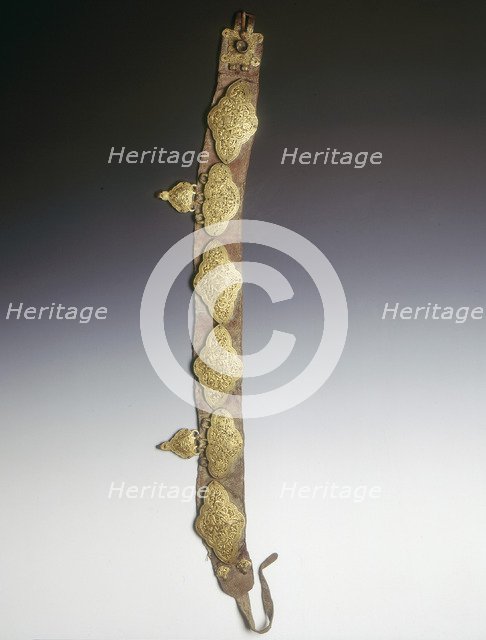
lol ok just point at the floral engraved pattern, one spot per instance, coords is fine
(221, 199)
(220, 523)
(233, 121)
(218, 367)
(218, 282)
(224, 443)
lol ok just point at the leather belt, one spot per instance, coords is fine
(216, 200)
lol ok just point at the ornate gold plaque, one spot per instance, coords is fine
(181, 196)
(218, 367)
(233, 120)
(224, 443)
(240, 48)
(221, 199)
(218, 282)
(220, 524)
(183, 443)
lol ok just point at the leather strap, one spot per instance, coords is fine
(216, 199)
(244, 604)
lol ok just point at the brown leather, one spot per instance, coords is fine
(244, 605)
(236, 584)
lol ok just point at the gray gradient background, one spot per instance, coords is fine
(81, 406)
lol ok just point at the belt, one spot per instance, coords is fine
(216, 200)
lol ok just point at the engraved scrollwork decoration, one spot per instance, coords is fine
(224, 443)
(221, 444)
(218, 282)
(220, 523)
(239, 48)
(184, 443)
(233, 120)
(221, 199)
(216, 199)
(218, 366)
(181, 196)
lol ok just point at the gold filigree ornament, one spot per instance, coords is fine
(223, 572)
(218, 282)
(224, 443)
(183, 443)
(233, 120)
(181, 196)
(218, 366)
(220, 523)
(221, 200)
(216, 199)
(244, 565)
(239, 48)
